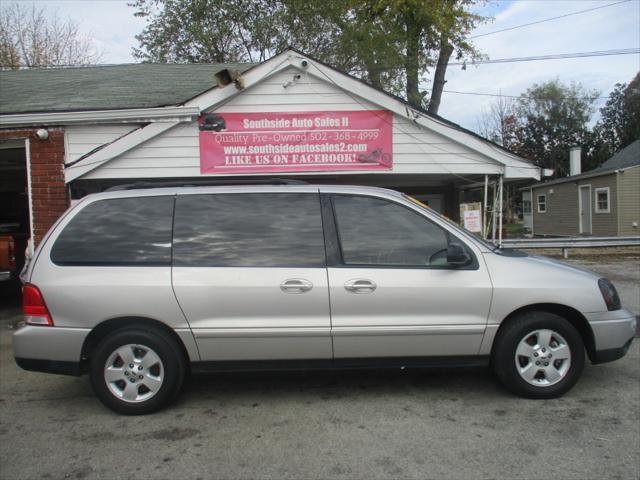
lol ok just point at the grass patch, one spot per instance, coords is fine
(514, 230)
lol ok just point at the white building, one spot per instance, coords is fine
(121, 124)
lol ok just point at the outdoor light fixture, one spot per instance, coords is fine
(42, 134)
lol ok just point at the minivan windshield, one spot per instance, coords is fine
(469, 235)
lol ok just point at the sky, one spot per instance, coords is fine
(112, 26)
(614, 27)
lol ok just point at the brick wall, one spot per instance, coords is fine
(48, 191)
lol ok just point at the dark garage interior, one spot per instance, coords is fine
(14, 218)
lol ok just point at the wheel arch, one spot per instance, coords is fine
(573, 316)
(103, 329)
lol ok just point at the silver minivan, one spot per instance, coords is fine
(137, 287)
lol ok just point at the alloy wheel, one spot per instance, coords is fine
(543, 358)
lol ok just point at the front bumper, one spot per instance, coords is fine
(49, 349)
(611, 354)
(613, 333)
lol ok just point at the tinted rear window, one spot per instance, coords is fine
(123, 231)
(248, 230)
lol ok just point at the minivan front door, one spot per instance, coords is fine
(249, 274)
(393, 294)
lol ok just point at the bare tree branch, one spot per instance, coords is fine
(32, 37)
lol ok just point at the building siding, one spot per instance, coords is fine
(81, 139)
(629, 201)
(604, 224)
(562, 217)
(176, 153)
(562, 210)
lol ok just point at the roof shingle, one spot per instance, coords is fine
(141, 85)
(629, 156)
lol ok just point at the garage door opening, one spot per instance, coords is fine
(14, 216)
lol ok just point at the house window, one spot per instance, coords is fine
(526, 207)
(542, 204)
(602, 200)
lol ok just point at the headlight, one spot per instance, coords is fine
(609, 294)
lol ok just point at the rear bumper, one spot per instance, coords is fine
(49, 349)
(49, 366)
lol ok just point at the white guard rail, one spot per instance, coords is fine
(571, 242)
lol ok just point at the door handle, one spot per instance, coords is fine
(360, 285)
(296, 285)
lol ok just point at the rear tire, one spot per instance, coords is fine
(538, 355)
(135, 371)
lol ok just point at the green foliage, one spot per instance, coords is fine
(209, 31)
(551, 118)
(391, 44)
(619, 123)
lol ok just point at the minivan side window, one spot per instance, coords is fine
(374, 231)
(248, 230)
(118, 232)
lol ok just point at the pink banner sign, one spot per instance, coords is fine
(295, 142)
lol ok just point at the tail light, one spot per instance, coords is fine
(33, 307)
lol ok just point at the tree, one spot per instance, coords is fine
(551, 118)
(391, 44)
(209, 31)
(619, 123)
(33, 37)
(500, 122)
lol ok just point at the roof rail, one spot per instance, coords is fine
(206, 183)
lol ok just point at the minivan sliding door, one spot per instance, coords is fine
(249, 272)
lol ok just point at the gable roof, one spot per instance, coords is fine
(113, 87)
(106, 91)
(628, 157)
(132, 86)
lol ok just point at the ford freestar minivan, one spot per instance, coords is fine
(136, 286)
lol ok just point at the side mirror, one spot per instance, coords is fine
(457, 255)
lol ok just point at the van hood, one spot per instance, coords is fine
(563, 266)
(542, 262)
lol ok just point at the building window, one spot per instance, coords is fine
(526, 207)
(602, 200)
(542, 204)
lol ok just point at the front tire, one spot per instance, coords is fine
(135, 371)
(538, 355)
